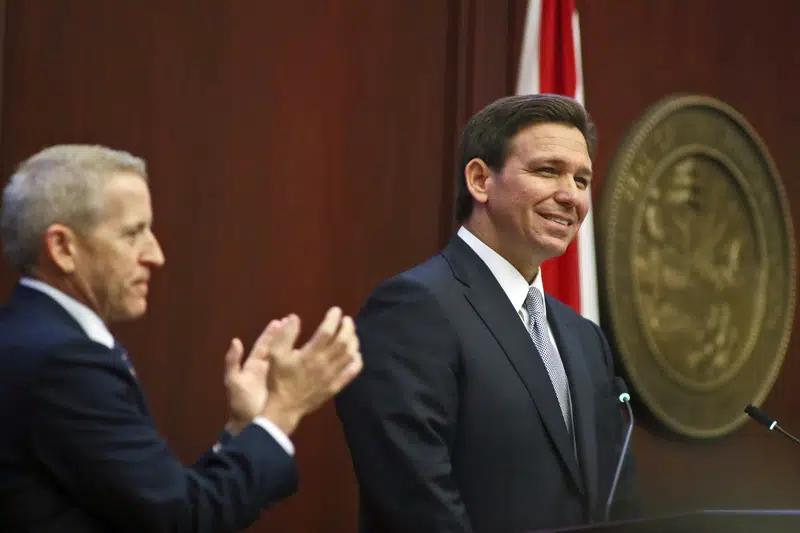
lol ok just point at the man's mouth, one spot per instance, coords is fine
(564, 221)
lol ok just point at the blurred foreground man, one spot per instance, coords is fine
(79, 451)
(485, 405)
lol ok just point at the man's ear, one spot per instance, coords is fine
(478, 176)
(60, 246)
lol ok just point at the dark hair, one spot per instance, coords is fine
(488, 133)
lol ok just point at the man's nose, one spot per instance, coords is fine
(154, 255)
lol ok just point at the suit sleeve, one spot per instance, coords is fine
(91, 435)
(400, 414)
(627, 503)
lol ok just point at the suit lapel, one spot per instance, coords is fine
(490, 303)
(582, 394)
(51, 310)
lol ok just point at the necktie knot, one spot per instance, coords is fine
(534, 303)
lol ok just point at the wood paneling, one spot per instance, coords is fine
(634, 53)
(301, 152)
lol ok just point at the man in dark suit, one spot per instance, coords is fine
(79, 451)
(486, 406)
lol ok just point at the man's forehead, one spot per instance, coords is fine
(551, 142)
(551, 136)
(553, 150)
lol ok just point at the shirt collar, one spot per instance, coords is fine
(511, 281)
(89, 321)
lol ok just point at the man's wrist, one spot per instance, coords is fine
(286, 419)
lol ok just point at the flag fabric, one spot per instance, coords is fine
(550, 62)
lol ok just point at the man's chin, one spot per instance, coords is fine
(130, 313)
(556, 248)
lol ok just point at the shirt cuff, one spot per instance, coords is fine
(276, 434)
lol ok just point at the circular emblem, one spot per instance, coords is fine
(698, 264)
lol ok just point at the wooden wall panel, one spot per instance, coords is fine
(634, 53)
(2, 58)
(299, 153)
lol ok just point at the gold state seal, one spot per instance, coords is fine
(697, 264)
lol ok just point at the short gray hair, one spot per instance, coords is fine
(60, 184)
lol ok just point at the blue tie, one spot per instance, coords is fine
(123, 354)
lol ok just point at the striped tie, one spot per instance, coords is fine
(537, 329)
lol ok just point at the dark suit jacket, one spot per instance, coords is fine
(454, 426)
(79, 451)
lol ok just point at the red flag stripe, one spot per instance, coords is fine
(558, 75)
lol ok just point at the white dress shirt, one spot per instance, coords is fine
(96, 330)
(511, 281)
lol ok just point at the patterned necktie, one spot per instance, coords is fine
(537, 328)
(123, 354)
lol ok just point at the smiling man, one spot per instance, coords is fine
(79, 451)
(485, 405)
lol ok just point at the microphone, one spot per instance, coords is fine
(624, 398)
(767, 421)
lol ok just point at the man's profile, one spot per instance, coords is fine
(79, 450)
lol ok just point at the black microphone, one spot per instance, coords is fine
(624, 398)
(767, 421)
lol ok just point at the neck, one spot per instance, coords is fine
(526, 262)
(69, 285)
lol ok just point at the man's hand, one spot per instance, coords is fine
(300, 380)
(246, 382)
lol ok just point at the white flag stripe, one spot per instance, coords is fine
(528, 77)
(587, 258)
(576, 42)
(587, 263)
